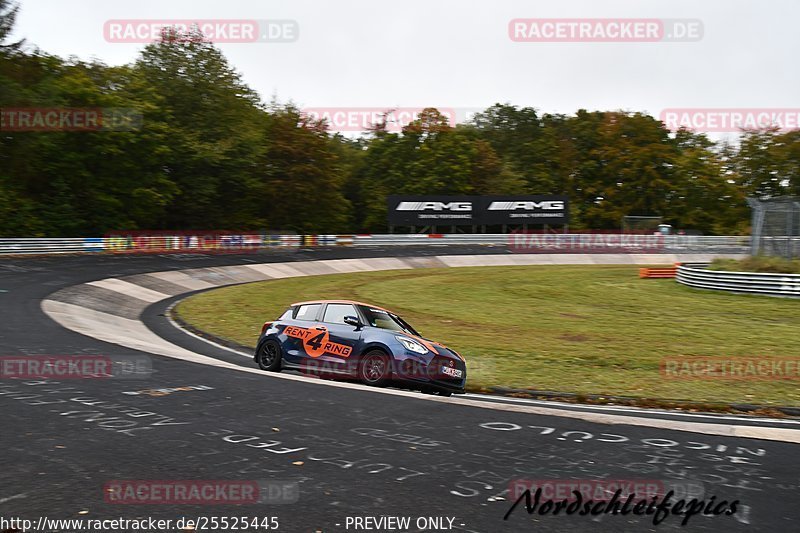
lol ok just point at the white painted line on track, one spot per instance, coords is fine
(480, 400)
(168, 315)
(529, 401)
(134, 334)
(637, 410)
(14, 497)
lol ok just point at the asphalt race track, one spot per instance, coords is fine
(351, 452)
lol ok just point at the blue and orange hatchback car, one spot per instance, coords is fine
(353, 340)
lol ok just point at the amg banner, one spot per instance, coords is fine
(524, 210)
(477, 210)
(433, 210)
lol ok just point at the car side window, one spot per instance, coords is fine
(307, 312)
(335, 313)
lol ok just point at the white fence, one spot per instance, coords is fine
(199, 242)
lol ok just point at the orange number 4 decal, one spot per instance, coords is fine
(316, 342)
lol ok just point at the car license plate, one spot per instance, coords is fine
(452, 372)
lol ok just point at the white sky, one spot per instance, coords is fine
(457, 53)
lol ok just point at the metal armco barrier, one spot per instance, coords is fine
(787, 285)
(49, 246)
(569, 242)
(518, 243)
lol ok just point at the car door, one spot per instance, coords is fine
(301, 329)
(342, 341)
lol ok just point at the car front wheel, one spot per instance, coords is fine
(375, 369)
(269, 356)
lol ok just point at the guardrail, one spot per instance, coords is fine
(551, 241)
(210, 242)
(787, 285)
(50, 246)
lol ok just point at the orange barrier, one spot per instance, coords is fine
(666, 272)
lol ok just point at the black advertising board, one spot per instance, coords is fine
(432, 210)
(477, 210)
(516, 209)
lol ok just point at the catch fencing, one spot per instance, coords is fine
(776, 226)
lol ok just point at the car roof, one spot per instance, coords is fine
(341, 302)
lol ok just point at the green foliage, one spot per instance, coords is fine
(769, 163)
(301, 178)
(210, 155)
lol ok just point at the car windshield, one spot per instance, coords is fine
(378, 318)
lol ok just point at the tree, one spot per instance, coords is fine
(300, 177)
(706, 196)
(209, 154)
(769, 163)
(8, 16)
(431, 157)
(212, 127)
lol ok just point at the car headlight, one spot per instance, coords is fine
(411, 345)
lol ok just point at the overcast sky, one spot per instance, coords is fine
(458, 53)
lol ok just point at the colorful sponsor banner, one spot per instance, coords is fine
(184, 241)
(213, 241)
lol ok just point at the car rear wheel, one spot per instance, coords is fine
(375, 369)
(269, 356)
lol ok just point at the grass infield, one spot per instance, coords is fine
(578, 329)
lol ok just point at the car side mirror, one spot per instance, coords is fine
(352, 321)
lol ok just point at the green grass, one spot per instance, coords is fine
(579, 329)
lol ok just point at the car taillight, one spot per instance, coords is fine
(265, 326)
